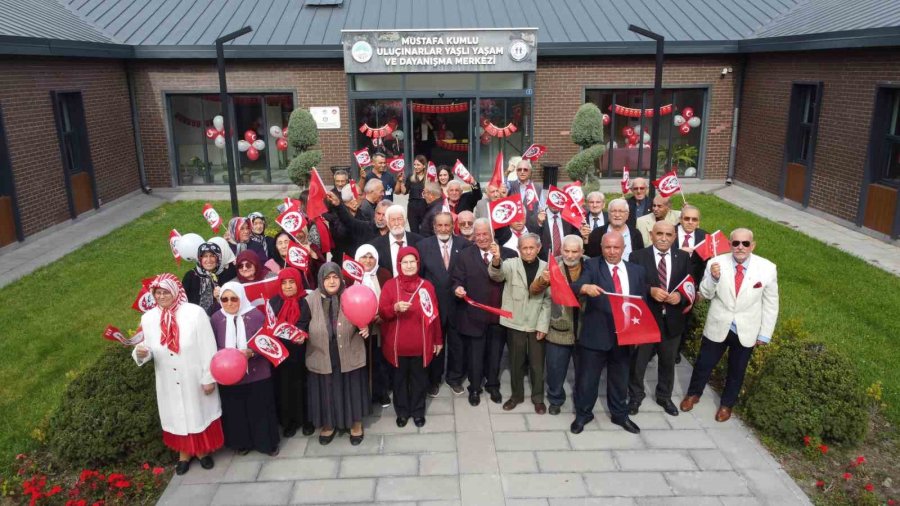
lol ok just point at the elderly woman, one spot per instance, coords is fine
(336, 359)
(411, 333)
(375, 277)
(258, 238)
(291, 375)
(202, 283)
(179, 340)
(248, 407)
(283, 240)
(250, 267)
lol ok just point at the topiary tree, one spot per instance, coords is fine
(303, 135)
(108, 415)
(587, 132)
(584, 162)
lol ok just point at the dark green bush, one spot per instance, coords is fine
(108, 415)
(584, 162)
(587, 126)
(302, 130)
(301, 166)
(807, 389)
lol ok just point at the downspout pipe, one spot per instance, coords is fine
(739, 96)
(136, 128)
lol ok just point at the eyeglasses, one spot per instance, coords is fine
(245, 266)
(522, 169)
(735, 244)
(465, 223)
(639, 188)
(689, 218)
(230, 299)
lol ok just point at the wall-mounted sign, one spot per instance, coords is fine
(326, 117)
(499, 50)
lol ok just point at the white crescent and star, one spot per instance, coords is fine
(626, 306)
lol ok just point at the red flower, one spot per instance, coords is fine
(820, 483)
(55, 490)
(122, 484)
(80, 502)
(146, 466)
(114, 477)
(158, 471)
(870, 487)
(847, 476)
(21, 456)
(823, 448)
(891, 502)
(860, 460)
(806, 440)
(99, 503)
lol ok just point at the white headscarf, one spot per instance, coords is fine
(370, 278)
(235, 334)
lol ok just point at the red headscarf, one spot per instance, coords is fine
(290, 308)
(408, 284)
(167, 322)
(251, 257)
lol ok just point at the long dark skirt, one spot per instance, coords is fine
(290, 388)
(338, 399)
(248, 416)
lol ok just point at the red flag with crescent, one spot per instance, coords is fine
(635, 323)
(560, 291)
(267, 345)
(668, 185)
(315, 204)
(534, 152)
(497, 178)
(212, 217)
(715, 244)
(507, 210)
(688, 290)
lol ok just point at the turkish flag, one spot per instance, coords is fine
(635, 323)
(507, 210)
(626, 181)
(490, 309)
(714, 244)
(315, 204)
(534, 152)
(668, 185)
(688, 290)
(114, 334)
(268, 346)
(260, 291)
(497, 178)
(560, 291)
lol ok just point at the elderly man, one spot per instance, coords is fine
(618, 222)
(639, 205)
(671, 266)
(466, 222)
(390, 183)
(524, 185)
(480, 332)
(354, 231)
(493, 193)
(689, 236)
(552, 228)
(458, 201)
(743, 307)
(434, 201)
(598, 345)
(564, 321)
(530, 320)
(662, 211)
(388, 245)
(596, 216)
(373, 193)
(341, 178)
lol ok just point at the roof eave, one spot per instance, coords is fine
(335, 52)
(635, 48)
(33, 46)
(850, 39)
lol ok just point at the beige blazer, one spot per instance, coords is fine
(530, 312)
(644, 224)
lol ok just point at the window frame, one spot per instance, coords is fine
(875, 155)
(56, 98)
(7, 178)
(793, 130)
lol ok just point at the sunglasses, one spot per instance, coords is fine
(522, 169)
(230, 299)
(466, 223)
(688, 218)
(245, 266)
(735, 244)
(639, 188)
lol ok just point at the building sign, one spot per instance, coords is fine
(326, 117)
(500, 50)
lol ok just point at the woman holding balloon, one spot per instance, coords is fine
(180, 341)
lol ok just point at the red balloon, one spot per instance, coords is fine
(687, 112)
(281, 144)
(606, 119)
(253, 153)
(359, 304)
(633, 138)
(211, 133)
(250, 136)
(228, 366)
(485, 138)
(627, 131)
(684, 129)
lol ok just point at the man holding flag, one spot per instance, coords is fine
(600, 344)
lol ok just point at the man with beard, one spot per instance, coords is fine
(389, 244)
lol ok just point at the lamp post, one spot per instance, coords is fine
(226, 114)
(657, 97)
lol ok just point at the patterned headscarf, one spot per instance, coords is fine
(258, 238)
(167, 322)
(234, 231)
(208, 279)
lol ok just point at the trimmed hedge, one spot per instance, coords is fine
(301, 166)
(587, 126)
(108, 415)
(584, 163)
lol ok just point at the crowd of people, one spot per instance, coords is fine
(437, 269)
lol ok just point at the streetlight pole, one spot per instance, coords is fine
(226, 114)
(657, 97)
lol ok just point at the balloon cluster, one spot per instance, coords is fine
(251, 144)
(686, 121)
(280, 135)
(634, 136)
(217, 132)
(188, 244)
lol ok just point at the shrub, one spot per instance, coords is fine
(300, 167)
(805, 388)
(108, 415)
(582, 164)
(302, 131)
(587, 126)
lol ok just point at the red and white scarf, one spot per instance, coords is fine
(167, 323)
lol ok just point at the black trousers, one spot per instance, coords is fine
(483, 354)
(710, 354)
(415, 212)
(455, 350)
(587, 381)
(410, 386)
(381, 369)
(666, 350)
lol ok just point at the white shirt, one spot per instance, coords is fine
(692, 238)
(599, 219)
(395, 248)
(513, 242)
(668, 257)
(481, 253)
(626, 234)
(623, 275)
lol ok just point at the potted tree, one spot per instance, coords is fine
(194, 167)
(303, 135)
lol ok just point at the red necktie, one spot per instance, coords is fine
(738, 279)
(616, 282)
(662, 272)
(556, 238)
(485, 257)
(687, 241)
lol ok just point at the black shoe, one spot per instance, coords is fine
(242, 452)
(356, 440)
(628, 425)
(290, 431)
(401, 421)
(633, 408)
(496, 398)
(474, 398)
(383, 400)
(182, 467)
(457, 389)
(324, 440)
(419, 421)
(668, 406)
(434, 390)
(554, 409)
(308, 429)
(275, 452)
(678, 358)
(207, 462)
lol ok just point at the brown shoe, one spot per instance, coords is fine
(688, 403)
(723, 414)
(510, 405)
(540, 408)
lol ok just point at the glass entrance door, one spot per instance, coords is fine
(442, 130)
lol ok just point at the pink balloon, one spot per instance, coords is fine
(228, 366)
(684, 129)
(687, 112)
(627, 131)
(211, 133)
(253, 153)
(250, 136)
(358, 302)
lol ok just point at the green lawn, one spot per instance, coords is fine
(52, 320)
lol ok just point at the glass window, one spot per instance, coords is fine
(504, 124)
(189, 124)
(804, 102)
(377, 122)
(377, 82)
(890, 167)
(681, 129)
(502, 81)
(426, 81)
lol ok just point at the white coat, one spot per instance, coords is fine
(183, 407)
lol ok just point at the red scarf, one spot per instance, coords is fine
(290, 307)
(168, 324)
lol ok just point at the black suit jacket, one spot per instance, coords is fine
(354, 231)
(592, 249)
(698, 265)
(590, 219)
(468, 200)
(671, 325)
(598, 329)
(426, 228)
(433, 270)
(382, 245)
(470, 272)
(545, 231)
(632, 210)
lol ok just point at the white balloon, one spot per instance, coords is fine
(637, 130)
(678, 120)
(399, 135)
(259, 144)
(646, 137)
(218, 122)
(220, 142)
(690, 172)
(275, 131)
(243, 145)
(227, 254)
(188, 245)
(694, 122)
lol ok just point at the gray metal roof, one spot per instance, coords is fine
(291, 29)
